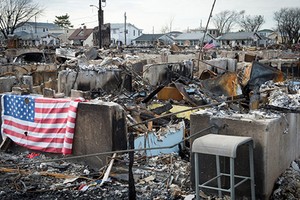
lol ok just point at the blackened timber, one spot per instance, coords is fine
(131, 192)
(164, 108)
(152, 94)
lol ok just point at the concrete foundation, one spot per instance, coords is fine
(109, 80)
(100, 127)
(157, 74)
(276, 146)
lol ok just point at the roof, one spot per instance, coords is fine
(148, 37)
(81, 34)
(193, 36)
(239, 36)
(44, 25)
(266, 30)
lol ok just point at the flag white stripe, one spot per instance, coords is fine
(52, 105)
(50, 115)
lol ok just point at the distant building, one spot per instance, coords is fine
(37, 33)
(82, 37)
(118, 33)
(213, 32)
(39, 27)
(239, 39)
(153, 39)
(265, 32)
(192, 39)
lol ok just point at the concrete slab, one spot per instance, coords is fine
(109, 80)
(276, 146)
(100, 127)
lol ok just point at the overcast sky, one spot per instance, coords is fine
(152, 15)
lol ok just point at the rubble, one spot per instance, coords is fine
(157, 98)
(162, 177)
(287, 185)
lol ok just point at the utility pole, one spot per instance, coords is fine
(125, 31)
(100, 22)
(201, 44)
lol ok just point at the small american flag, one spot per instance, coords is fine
(39, 123)
(209, 45)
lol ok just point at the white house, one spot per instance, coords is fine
(36, 33)
(117, 33)
(39, 27)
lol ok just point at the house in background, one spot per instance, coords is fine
(153, 39)
(38, 33)
(82, 37)
(192, 39)
(234, 39)
(51, 39)
(265, 32)
(117, 33)
(39, 28)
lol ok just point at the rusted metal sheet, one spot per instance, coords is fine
(227, 85)
(207, 74)
(169, 93)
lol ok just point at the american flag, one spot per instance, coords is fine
(209, 45)
(39, 123)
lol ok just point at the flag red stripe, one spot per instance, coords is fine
(71, 130)
(48, 149)
(72, 120)
(51, 121)
(32, 138)
(35, 129)
(48, 100)
(68, 140)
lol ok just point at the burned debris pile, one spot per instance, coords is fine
(157, 98)
(161, 177)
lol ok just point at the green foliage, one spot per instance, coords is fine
(63, 21)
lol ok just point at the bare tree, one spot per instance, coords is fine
(252, 24)
(226, 20)
(171, 22)
(164, 29)
(14, 13)
(288, 24)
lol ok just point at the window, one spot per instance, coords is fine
(133, 32)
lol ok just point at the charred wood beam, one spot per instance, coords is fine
(158, 111)
(152, 94)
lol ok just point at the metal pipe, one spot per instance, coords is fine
(210, 15)
(112, 152)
